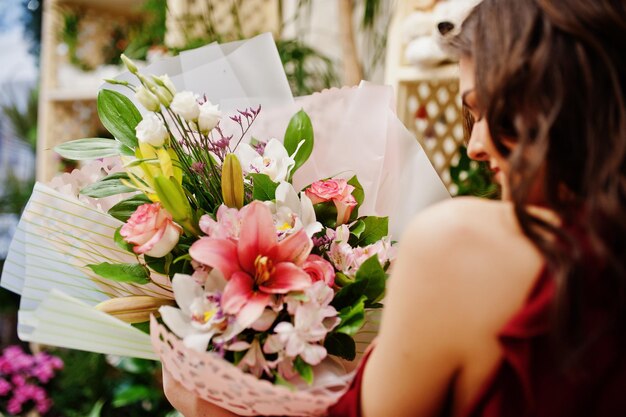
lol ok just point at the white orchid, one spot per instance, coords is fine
(292, 213)
(275, 161)
(200, 316)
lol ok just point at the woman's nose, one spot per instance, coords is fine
(476, 146)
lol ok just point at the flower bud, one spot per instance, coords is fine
(135, 308)
(232, 182)
(147, 99)
(129, 64)
(151, 130)
(164, 81)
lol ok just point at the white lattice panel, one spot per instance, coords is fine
(432, 111)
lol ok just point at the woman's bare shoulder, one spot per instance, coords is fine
(468, 226)
(473, 254)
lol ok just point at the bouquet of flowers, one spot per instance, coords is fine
(247, 258)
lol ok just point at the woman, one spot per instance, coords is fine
(517, 307)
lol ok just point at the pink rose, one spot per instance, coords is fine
(152, 231)
(319, 269)
(345, 205)
(339, 192)
(322, 191)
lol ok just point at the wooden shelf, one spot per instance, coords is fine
(71, 95)
(411, 73)
(121, 7)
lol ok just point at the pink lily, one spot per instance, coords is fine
(257, 266)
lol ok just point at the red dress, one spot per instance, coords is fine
(527, 381)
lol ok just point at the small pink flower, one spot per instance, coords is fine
(227, 226)
(319, 269)
(322, 191)
(5, 387)
(152, 231)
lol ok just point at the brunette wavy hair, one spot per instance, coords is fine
(551, 75)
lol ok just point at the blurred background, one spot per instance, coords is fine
(53, 57)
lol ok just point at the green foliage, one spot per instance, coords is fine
(125, 208)
(299, 139)
(87, 149)
(31, 19)
(91, 386)
(352, 317)
(22, 123)
(304, 370)
(472, 177)
(263, 188)
(120, 116)
(307, 69)
(340, 345)
(375, 229)
(16, 194)
(136, 273)
(108, 186)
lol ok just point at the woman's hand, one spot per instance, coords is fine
(188, 403)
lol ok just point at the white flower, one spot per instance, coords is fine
(199, 317)
(147, 99)
(292, 213)
(185, 104)
(151, 130)
(275, 161)
(209, 117)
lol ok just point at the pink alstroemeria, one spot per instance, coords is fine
(257, 266)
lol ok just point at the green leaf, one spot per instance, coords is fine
(326, 213)
(372, 272)
(304, 370)
(97, 409)
(350, 294)
(376, 228)
(125, 208)
(119, 116)
(120, 242)
(160, 265)
(135, 365)
(357, 228)
(263, 188)
(130, 394)
(172, 197)
(90, 148)
(352, 318)
(136, 273)
(144, 327)
(106, 187)
(300, 128)
(283, 382)
(340, 345)
(359, 195)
